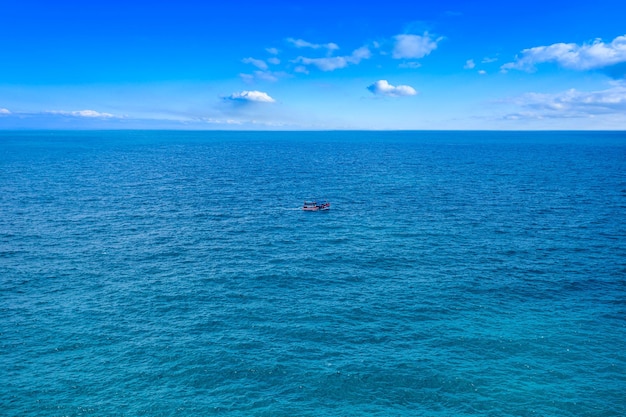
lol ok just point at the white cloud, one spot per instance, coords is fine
(251, 96)
(266, 76)
(272, 51)
(414, 46)
(487, 60)
(299, 43)
(301, 69)
(260, 64)
(410, 64)
(336, 62)
(383, 88)
(325, 64)
(273, 61)
(213, 120)
(81, 113)
(359, 54)
(572, 56)
(4, 111)
(482, 72)
(90, 113)
(469, 64)
(271, 76)
(572, 103)
(243, 121)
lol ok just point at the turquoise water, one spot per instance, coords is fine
(173, 274)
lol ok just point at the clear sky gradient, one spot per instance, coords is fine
(312, 65)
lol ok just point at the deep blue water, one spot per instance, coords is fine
(173, 274)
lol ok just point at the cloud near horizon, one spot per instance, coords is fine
(572, 103)
(81, 113)
(4, 111)
(583, 57)
(383, 88)
(253, 96)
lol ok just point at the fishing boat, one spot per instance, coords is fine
(315, 206)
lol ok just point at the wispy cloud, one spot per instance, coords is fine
(271, 76)
(256, 62)
(251, 97)
(332, 63)
(81, 113)
(414, 46)
(267, 75)
(572, 103)
(469, 64)
(245, 122)
(213, 120)
(594, 55)
(299, 43)
(301, 69)
(4, 111)
(383, 88)
(272, 51)
(410, 64)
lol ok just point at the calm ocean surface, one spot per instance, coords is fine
(147, 273)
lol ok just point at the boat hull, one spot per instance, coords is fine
(314, 206)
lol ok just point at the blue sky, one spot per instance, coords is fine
(313, 65)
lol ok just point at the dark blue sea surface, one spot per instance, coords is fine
(174, 274)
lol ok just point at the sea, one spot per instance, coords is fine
(174, 273)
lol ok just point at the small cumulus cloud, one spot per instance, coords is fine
(482, 72)
(587, 56)
(336, 62)
(383, 88)
(4, 111)
(414, 46)
(256, 62)
(469, 64)
(272, 51)
(251, 97)
(299, 43)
